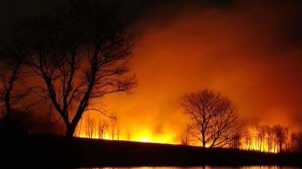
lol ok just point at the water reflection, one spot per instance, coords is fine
(201, 167)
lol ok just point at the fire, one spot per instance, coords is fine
(256, 147)
(147, 133)
(145, 140)
(138, 137)
(90, 129)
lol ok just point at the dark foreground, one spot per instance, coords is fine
(51, 152)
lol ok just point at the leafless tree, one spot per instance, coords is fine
(236, 140)
(296, 142)
(269, 138)
(11, 60)
(13, 90)
(102, 128)
(185, 136)
(114, 127)
(81, 54)
(281, 136)
(261, 135)
(214, 118)
(90, 126)
(8, 95)
(247, 139)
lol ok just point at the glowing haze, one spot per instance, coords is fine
(250, 52)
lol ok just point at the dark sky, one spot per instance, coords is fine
(131, 9)
(249, 50)
(10, 10)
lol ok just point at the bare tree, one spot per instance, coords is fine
(13, 90)
(185, 136)
(102, 128)
(261, 134)
(81, 54)
(296, 142)
(247, 139)
(214, 118)
(269, 138)
(90, 126)
(236, 140)
(281, 136)
(113, 127)
(9, 77)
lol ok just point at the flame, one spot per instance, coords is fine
(138, 137)
(146, 133)
(255, 147)
(145, 137)
(145, 140)
(143, 134)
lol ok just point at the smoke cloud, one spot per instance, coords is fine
(250, 51)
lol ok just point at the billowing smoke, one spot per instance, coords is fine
(249, 51)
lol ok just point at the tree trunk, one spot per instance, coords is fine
(8, 107)
(70, 129)
(203, 140)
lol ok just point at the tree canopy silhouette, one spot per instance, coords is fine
(81, 54)
(214, 118)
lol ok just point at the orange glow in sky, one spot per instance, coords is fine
(245, 57)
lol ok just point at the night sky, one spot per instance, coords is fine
(249, 50)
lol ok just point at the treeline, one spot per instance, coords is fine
(98, 127)
(215, 122)
(267, 138)
(263, 138)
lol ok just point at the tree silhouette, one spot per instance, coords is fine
(261, 134)
(296, 142)
(10, 69)
(90, 126)
(247, 139)
(214, 117)
(81, 54)
(114, 128)
(185, 136)
(281, 136)
(266, 138)
(236, 140)
(103, 126)
(270, 136)
(13, 54)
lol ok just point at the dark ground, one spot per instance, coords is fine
(53, 152)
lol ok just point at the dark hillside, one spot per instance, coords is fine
(42, 151)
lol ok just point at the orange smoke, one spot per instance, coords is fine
(244, 52)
